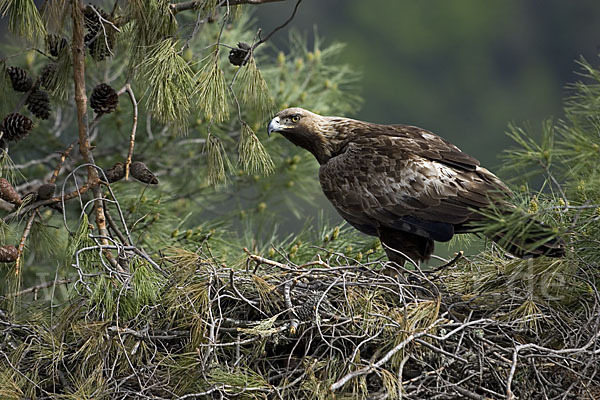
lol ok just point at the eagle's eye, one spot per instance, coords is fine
(295, 118)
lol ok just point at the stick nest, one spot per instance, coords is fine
(195, 328)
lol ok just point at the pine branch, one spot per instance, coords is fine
(63, 157)
(127, 88)
(291, 17)
(82, 120)
(22, 242)
(80, 95)
(68, 196)
(44, 285)
(212, 98)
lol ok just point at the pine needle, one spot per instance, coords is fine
(103, 299)
(60, 81)
(254, 92)
(170, 81)
(390, 382)
(269, 297)
(236, 12)
(241, 379)
(252, 155)
(86, 259)
(45, 241)
(54, 14)
(212, 98)
(216, 159)
(263, 328)
(528, 315)
(7, 167)
(12, 385)
(25, 19)
(76, 239)
(154, 23)
(6, 232)
(144, 291)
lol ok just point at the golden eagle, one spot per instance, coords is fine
(402, 183)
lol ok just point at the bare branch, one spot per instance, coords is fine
(291, 17)
(127, 88)
(22, 242)
(44, 285)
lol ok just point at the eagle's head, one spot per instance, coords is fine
(311, 131)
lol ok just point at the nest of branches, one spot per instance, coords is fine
(191, 327)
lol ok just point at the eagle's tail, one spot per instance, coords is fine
(516, 231)
(400, 246)
(531, 246)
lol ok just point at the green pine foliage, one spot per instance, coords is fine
(253, 156)
(254, 92)
(217, 162)
(59, 84)
(153, 23)
(172, 83)
(311, 77)
(194, 287)
(212, 98)
(24, 18)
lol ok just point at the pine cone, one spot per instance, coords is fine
(16, 126)
(8, 192)
(89, 37)
(47, 76)
(104, 99)
(238, 56)
(55, 44)
(140, 172)
(20, 79)
(101, 47)
(99, 39)
(116, 173)
(38, 102)
(46, 191)
(92, 22)
(8, 253)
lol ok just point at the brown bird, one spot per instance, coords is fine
(403, 184)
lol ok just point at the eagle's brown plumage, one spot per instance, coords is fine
(401, 183)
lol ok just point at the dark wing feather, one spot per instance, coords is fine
(401, 183)
(420, 142)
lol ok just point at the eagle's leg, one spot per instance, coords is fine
(399, 245)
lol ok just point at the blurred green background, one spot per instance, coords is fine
(463, 69)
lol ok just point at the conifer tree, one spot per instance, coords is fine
(138, 261)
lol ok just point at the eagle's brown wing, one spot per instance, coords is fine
(420, 185)
(428, 145)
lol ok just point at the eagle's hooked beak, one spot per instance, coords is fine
(274, 126)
